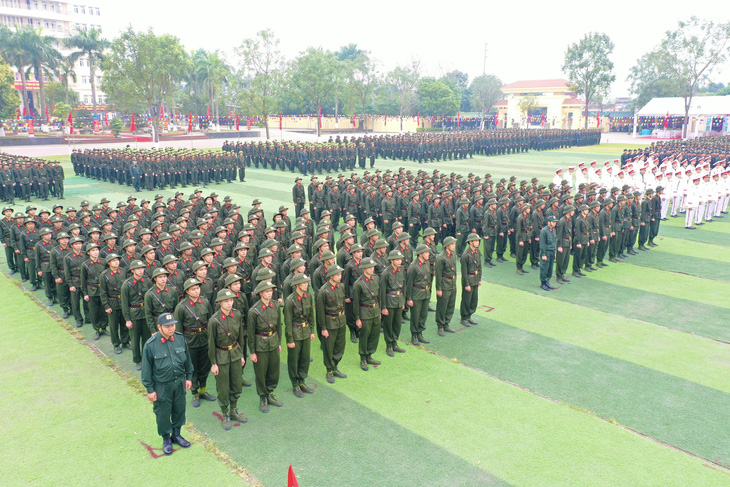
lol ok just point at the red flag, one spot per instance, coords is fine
(132, 126)
(292, 478)
(25, 112)
(190, 122)
(106, 120)
(162, 110)
(496, 119)
(598, 119)
(70, 121)
(281, 122)
(237, 123)
(48, 117)
(666, 121)
(248, 123)
(229, 112)
(31, 130)
(353, 121)
(385, 123)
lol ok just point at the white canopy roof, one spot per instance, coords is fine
(701, 105)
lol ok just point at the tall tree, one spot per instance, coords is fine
(90, 45)
(9, 99)
(527, 104)
(64, 72)
(648, 80)
(364, 80)
(261, 66)
(16, 47)
(213, 72)
(589, 67)
(485, 92)
(44, 59)
(403, 80)
(436, 98)
(311, 77)
(142, 71)
(688, 55)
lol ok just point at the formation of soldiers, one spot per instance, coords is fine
(423, 147)
(163, 168)
(26, 177)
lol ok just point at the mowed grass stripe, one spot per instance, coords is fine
(518, 436)
(704, 320)
(693, 266)
(665, 350)
(703, 234)
(643, 399)
(684, 247)
(68, 413)
(711, 293)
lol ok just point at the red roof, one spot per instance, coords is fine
(573, 101)
(538, 83)
(501, 103)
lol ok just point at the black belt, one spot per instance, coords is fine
(45, 261)
(368, 305)
(339, 313)
(266, 333)
(75, 275)
(425, 288)
(393, 293)
(88, 284)
(472, 273)
(140, 305)
(195, 330)
(117, 296)
(228, 348)
(300, 325)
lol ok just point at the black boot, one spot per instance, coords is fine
(177, 438)
(167, 444)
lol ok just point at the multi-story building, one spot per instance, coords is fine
(58, 19)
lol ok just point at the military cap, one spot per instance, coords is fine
(230, 261)
(334, 269)
(44, 210)
(265, 252)
(380, 244)
(44, 231)
(160, 271)
(403, 236)
(328, 255)
(594, 204)
(472, 237)
(76, 239)
(367, 263)
(109, 236)
(166, 319)
(356, 247)
(241, 245)
(62, 235)
(265, 274)
(30, 220)
(301, 278)
(319, 243)
(582, 207)
(429, 231)
(198, 264)
(217, 241)
(568, 209)
(492, 201)
(185, 246)
(397, 225)
(168, 259)
(196, 234)
(110, 258)
(298, 262)
(649, 191)
(421, 249)
(325, 213)
(136, 264)
(551, 218)
(231, 278)
(294, 248)
(262, 286)
(621, 197)
(147, 248)
(449, 240)
(224, 294)
(190, 283)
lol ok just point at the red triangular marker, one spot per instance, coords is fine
(292, 478)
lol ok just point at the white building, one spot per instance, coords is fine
(58, 19)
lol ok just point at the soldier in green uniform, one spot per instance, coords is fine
(489, 231)
(72, 268)
(523, 232)
(192, 314)
(331, 320)
(299, 330)
(264, 341)
(564, 235)
(471, 279)
(225, 352)
(58, 256)
(110, 293)
(166, 374)
(366, 307)
(418, 293)
(91, 271)
(548, 246)
(42, 257)
(392, 301)
(133, 291)
(160, 298)
(445, 271)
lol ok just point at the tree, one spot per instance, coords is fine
(65, 71)
(44, 58)
(9, 99)
(403, 81)
(311, 77)
(527, 104)
(56, 94)
(688, 55)
(436, 98)
(647, 80)
(364, 80)
(88, 44)
(16, 48)
(485, 92)
(61, 110)
(588, 66)
(261, 65)
(213, 73)
(142, 70)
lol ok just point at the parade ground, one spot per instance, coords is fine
(620, 378)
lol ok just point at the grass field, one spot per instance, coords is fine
(619, 378)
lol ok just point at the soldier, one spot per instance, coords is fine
(418, 293)
(523, 232)
(29, 237)
(445, 272)
(392, 299)
(489, 231)
(299, 330)
(471, 279)
(167, 374)
(110, 293)
(351, 274)
(192, 314)
(90, 288)
(225, 335)
(548, 246)
(564, 235)
(366, 308)
(264, 340)
(72, 268)
(8, 241)
(298, 196)
(160, 298)
(42, 257)
(58, 256)
(331, 320)
(133, 291)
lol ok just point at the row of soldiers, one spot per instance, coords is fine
(343, 155)
(26, 177)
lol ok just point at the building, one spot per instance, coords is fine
(58, 19)
(554, 105)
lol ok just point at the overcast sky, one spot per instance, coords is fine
(526, 39)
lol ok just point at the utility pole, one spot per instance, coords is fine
(484, 69)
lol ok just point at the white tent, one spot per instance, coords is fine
(701, 105)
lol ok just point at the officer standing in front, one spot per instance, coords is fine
(167, 373)
(548, 246)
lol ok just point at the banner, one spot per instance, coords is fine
(132, 126)
(237, 123)
(190, 122)
(248, 123)
(71, 122)
(31, 129)
(96, 125)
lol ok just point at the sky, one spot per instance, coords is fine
(524, 39)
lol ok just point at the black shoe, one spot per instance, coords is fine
(449, 330)
(465, 323)
(330, 378)
(691, 228)
(297, 391)
(389, 352)
(138, 367)
(97, 335)
(264, 405)
(372, 361)
(167, 445)
(245, 383)
(398, 349)
(422, 339)
(432, 310)
(14, 271)
(353, 337)
(117, 350)
(66, 314)
(414, 341)
(364, 365)
(441, 332)
(472, 322)
(33, 288)
(652, 244)
(236, 416)
(613, 259)
(632, 252)
(196, 401)
(577, 274)
(24, 280)
(513, 255)
(79, 324)
(535, 266)
(127, 346)
(227, 422)
(405, 317)
(642, 248)
(566, 279)
(304, 388)
(339, 374)
(583, 274)
(520, 272)
(544, 287)
(552, 288)
(177, 438)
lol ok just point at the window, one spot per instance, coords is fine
(101, 100)
(98, 13)
(87, 99)
(83, 10)
(44, 5)
(76, 9)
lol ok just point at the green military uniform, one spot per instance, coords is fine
(110, 292)
(299, 329)
(225, 335)
(264, 340)
(192, 321)
(42, 257)
(366, 307)
(72, 268)
(58, 256)
(418, 290)
(445, 270)
(90, 286)
(133, 292)
(331, 317)
(158, 301)
(166, 366)
(471, 276)
(392, 298)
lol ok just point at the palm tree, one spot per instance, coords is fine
(213, 72)
(16, 48)
(64, 71)
(89, 44)
(44, 58)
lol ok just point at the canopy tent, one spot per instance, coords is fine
(701, 105)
